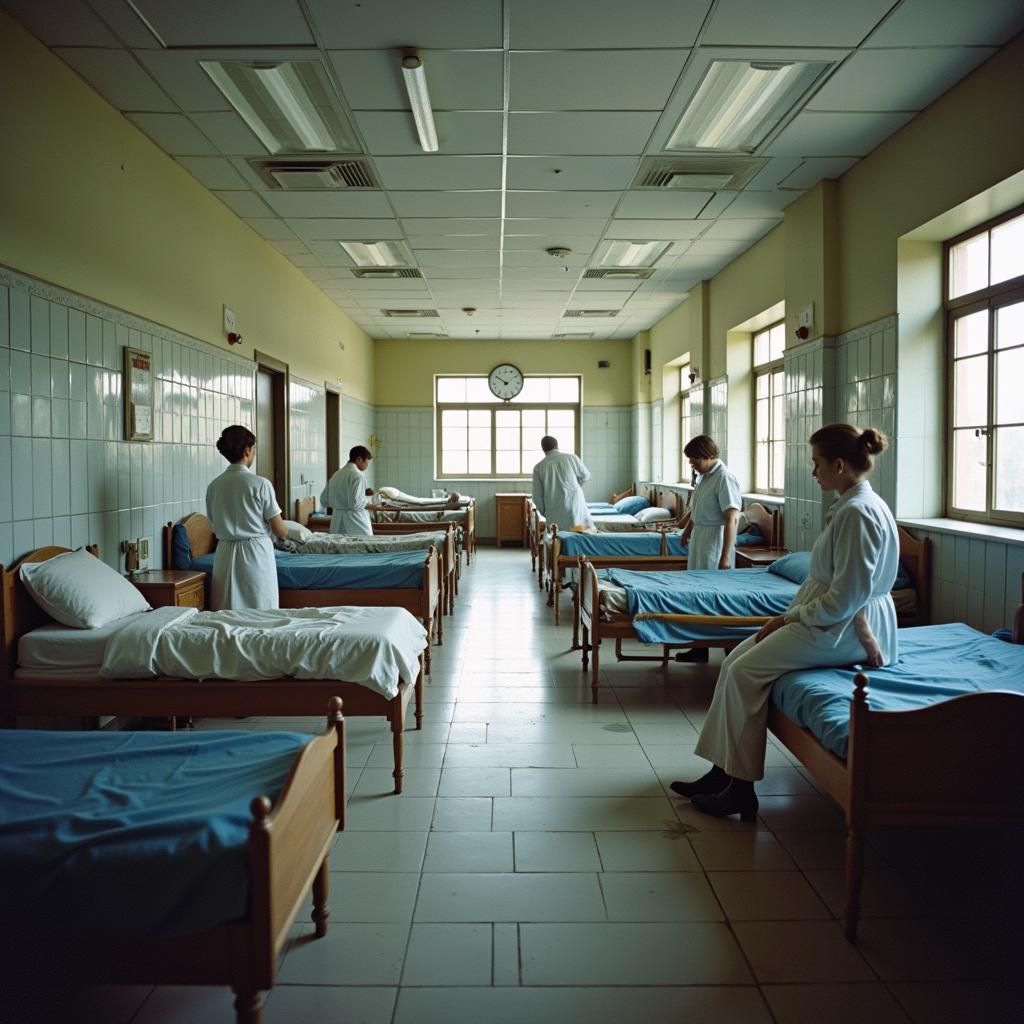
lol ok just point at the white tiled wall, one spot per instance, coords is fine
(358, 424)
(657, 462)
(307, 442)
(640, 421)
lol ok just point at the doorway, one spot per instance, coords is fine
(272, 425)
(333, 430)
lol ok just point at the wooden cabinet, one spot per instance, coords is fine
(758, 558)
(510, 518)
(182, 588)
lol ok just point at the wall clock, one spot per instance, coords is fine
(505, 381)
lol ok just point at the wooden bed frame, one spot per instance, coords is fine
(288, 852)
(305, 507)
(422, 601)
(392, 518)
(218, 698)
(914, 556)
(627, 493)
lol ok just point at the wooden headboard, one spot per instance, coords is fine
(18, 612)
(916, 558)
(201, 538)
(627, 493)
(304, 508)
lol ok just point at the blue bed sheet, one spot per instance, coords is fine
(123, 834)
(390, 570)
(936, 663)
(701, 592)
(639, 543)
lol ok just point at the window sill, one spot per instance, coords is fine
(960, 528)
(765, 499)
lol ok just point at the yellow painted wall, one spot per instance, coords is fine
(405, 369)
(681, 331)
(811, 261)
(89, 203)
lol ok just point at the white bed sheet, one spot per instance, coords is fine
(57, 646)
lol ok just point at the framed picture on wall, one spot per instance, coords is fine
(138, 395)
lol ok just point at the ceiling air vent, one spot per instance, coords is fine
(590, 313)
(701, 174)
(316, 175)
(376, 273)
(411, 312)
(629, 273)
(578, 335)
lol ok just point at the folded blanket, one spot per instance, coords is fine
(347, 544)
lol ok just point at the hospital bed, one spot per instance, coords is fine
(49, 669)
(406, 579)
(709, 608)
(186, 883)
(442, 539)
(463, 519)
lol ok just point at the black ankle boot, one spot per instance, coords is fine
(713, 782)
(694, 654)
(737, 798)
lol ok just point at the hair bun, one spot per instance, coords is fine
(873, 441)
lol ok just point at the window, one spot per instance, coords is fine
(769, 410)
(477, 436)
(691, 416)
(985, 355)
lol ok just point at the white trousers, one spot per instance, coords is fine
(706, 548)
(735, 731)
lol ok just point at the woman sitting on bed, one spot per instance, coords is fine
(842, 614)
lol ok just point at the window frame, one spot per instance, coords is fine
(500, 406)
(685, 473)
(989, 299)
(767, 369)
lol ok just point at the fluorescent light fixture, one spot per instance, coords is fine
(419, 99)
(631, 254)
(738, 103)
(378, 254)
(288, 104)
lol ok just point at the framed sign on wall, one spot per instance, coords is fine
(138, 395)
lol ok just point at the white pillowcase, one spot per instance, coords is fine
(79, 590)
(296, 531)
(389, 492)
(653, 514)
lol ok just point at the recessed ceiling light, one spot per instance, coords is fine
(614, 253)
(378, 254)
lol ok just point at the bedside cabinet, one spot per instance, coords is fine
(758, 558)
(182, 588)
(510, 518)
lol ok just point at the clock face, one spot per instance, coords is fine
(505, 381)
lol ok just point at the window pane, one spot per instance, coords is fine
(761, 426)
(453, 462)
(535, 418)
(760, 348)
(968, 266)
(1008, 250)
(536, 390)
(506, 462)
(969, 470)
(565, 389)
(506, 418)
(451, 389)
(530, 457)
(453, 418)
(1010, 469)
(453, 439)
(761, 467)
(970, 389)
(763, 383)
(1010, 325)
(778, 418)
(971, 333)
(684, 377)
(479, 462)
(480, 438)
(777, 341)
(506, 439)
(1009, 377)
(561, 419)
(477, 390)
(480, 418)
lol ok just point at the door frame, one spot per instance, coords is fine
(281, 478)
(334, 462)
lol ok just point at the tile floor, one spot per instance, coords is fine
(537, 869)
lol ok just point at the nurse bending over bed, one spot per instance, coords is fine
(842, 615)
(243, 512)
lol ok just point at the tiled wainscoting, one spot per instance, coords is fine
(358, 424)
(640, 420)
(406, 457)
(307, 442)
(657, 464)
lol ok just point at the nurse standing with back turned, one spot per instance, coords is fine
(243, 512)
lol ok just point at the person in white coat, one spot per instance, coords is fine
(557, 487)
(243, 512)
(346, 493)
(852, 571)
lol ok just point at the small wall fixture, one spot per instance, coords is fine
(603, 364)
(802, 332)
(234, 338)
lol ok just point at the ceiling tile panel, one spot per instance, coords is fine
(950, 23)
(570, 172)
(228, 132)
(212, 171)
(560, 204)
(354, 204)
(174, 134)
(423, 226)
(454, 24)
(594, 79)
(793, 23)
(76, 24)
(815, 133)
(544, 25)
(181, 77)
(670, 204)
(271, 228)
(349, 228)
(249, 204)
(554, 225)
(239, 23)
(654, 229)
(394, 132)
(440, 173)
(117, 77)
(584, 132)
(716, 248)
(443, 204)
(456, 258)
(478, 242)
(740, 230)
(750, 204)
(810, 172)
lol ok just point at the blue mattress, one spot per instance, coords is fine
(640, 543)
(393, 570)
(936, 663)
(701, 592)
(123, 834)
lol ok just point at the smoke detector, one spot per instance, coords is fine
(558, 252)
(469, 310)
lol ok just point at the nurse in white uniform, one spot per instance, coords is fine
(243, 512)
(714, 508)
(853, 567)
(557, 490)
(346, 494)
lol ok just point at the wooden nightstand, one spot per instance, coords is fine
(758, 558)
(319, 523)
(182, 588)
(510, 518)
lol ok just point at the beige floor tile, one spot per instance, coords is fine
(448, 954)
(800, 951)
(378, 851)
(510, 755)
(837, 1004)
(389, 813)
(468, 732)
(630, 954)
(959, 1002)
(294, 1004)
(475, 782)
(589, 756)
(370, 896)
(458, 852)
(510, 897)
(462, 814)
(556, 851)
(815, 849)
(380, 782)
(506, 954)
(430, 732)
(659, 896)
(576, 814)
(793, 812)
(767, 896)
(666, 850)
(614, 733)
(649, 1005)
(620, 782)
(415, 755)
(692, 820)
(665, 735)
(748, 850)
(349, 954)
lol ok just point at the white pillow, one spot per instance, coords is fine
(296, 531)
(79, 590)
(389, 492)
(653, 514)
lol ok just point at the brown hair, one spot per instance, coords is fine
(233, 441)
(701, 447)
(548, 443)
(854, 446)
